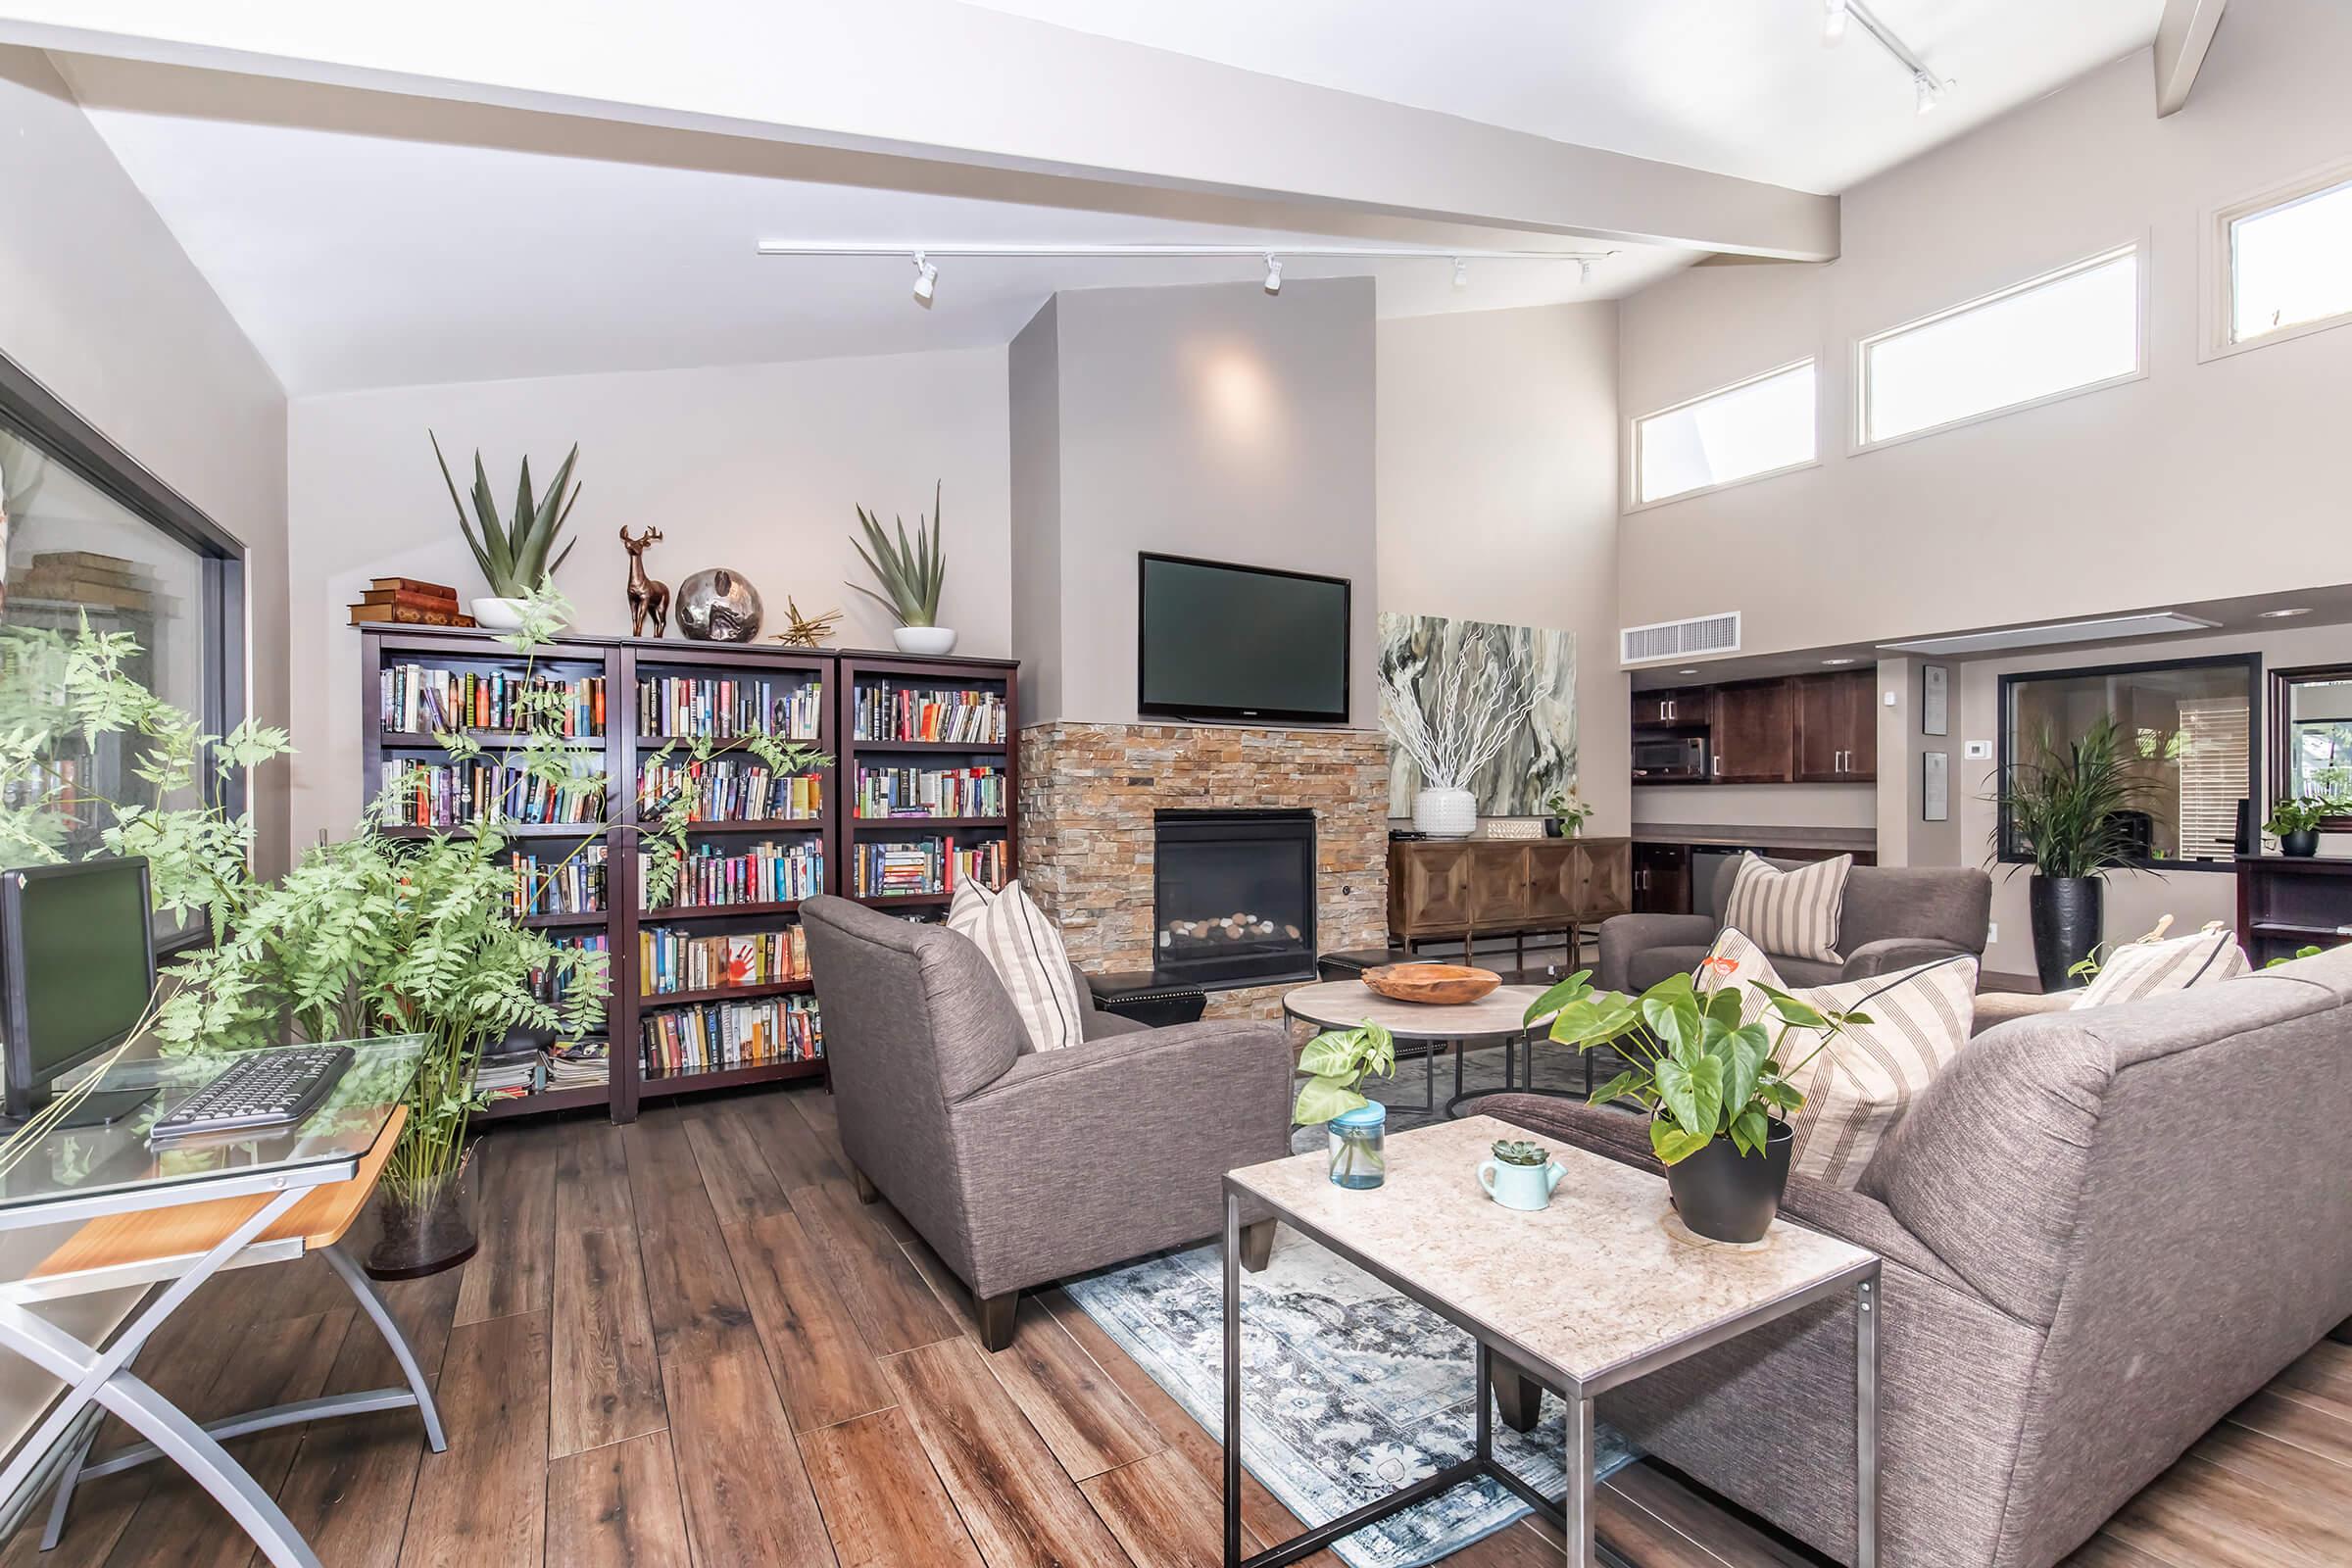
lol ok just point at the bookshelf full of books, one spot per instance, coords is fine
(711, 988)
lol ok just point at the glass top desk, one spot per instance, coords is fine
(176, 1215)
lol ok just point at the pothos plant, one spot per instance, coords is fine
(1699, 1067)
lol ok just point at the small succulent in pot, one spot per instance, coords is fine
(1519, 1152)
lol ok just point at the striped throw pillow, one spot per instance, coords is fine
(2140, 969)
(1858, 1087)
(1026, 952)
(1793, 913)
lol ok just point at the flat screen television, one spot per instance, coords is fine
(1225, 641)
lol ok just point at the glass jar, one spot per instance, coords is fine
(1358, 1146)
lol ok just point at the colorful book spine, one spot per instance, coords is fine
(421, 699)
(723, 708)
(886, 792)
(728, 789)
(550, 985)
(718, 1036)
(468, 794)
(712, 877)
(914, 868)
(572, 884)
(671, 960)
(884, 712)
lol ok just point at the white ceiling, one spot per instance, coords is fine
(1737, 87)
(364, 240)
(368, 239)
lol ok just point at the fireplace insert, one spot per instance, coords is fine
(1234, 898)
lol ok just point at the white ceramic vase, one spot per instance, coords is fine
(932, 640)
(498, 614)
(1446, 813)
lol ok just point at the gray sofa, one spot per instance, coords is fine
(1022, 1166)
(1894, 917)
(2103, 1231)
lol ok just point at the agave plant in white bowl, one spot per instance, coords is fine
(1455, 731)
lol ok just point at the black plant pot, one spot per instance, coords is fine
(1726, 1196)
(2069, 915)
(1552, 828)
(2301, 845)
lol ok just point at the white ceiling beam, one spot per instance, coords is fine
(2183, 36)
(959, 86)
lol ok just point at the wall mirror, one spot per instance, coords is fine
(2311, 735)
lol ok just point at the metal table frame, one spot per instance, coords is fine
(102, 1377)
(1574, 1515)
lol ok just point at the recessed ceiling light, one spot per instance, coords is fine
(1692, 671)
(1837, 661)
(2285, 615)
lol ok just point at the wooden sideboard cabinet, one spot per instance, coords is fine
(1471, 888)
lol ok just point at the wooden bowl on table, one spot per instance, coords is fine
(1437, 984)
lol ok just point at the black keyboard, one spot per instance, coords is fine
(276, 1089)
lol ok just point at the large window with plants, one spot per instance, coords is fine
(91, 539)
(2184, 744)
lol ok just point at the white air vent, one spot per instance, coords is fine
(2155, 623)
(1678, 639)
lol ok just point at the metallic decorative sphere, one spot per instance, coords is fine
(718, 606)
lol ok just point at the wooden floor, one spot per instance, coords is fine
(684, 1341)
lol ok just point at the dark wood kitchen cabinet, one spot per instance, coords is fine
(1837, 727)
(1677, 708)
(1662, 879)
(1755, 739)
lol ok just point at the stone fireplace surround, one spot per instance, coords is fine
(1088, 793)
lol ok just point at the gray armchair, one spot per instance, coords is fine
(1894, 917)
(1022, 1166)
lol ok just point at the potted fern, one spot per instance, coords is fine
(911, 573)
(512, 555)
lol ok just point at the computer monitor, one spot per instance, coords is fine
(76, 970)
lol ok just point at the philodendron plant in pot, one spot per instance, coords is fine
(911, 572)
(1336, 1062)
(2069, 812)
(2295, 822)
(1718, 1083)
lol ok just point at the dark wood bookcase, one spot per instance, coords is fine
(623, 662)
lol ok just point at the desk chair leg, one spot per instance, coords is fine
(364, 1290)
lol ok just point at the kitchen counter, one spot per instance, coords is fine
(1711, 835)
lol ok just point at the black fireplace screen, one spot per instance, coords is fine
(1234, 894)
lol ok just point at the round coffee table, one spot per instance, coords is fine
(1500, 1014)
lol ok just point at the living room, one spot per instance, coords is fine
(1099, 674)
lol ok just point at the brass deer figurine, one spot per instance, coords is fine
(647, 598)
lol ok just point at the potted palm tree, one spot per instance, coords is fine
(2068, 811)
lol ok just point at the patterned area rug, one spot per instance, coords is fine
(1350, 1391)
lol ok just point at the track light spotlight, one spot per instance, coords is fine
(1273, 275)
(926, 277)
(1930, 93)
(1584, 273)
(1832, 23)
(1462, 273)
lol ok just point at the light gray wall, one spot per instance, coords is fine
(2134, 495)
(1497, 468)
(757, 468)
(1219, 421)
(99, 303)
(1034, 411)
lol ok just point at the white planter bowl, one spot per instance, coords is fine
(1446, 813)
(932, 640)
(498, 614)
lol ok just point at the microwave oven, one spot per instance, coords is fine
(1671, 756)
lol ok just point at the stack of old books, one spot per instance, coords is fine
(406, 601)
(83, 577)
